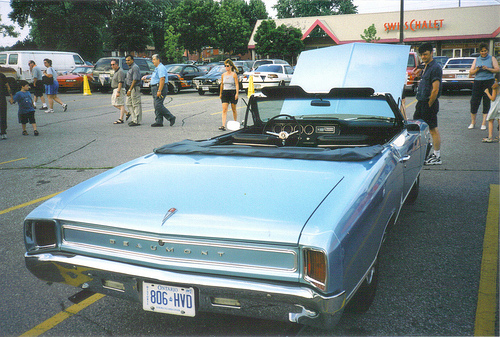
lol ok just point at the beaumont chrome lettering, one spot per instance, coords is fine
(187, 251)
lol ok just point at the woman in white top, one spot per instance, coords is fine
(229, 89)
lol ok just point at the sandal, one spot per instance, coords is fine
(222, 128)
(488, 140)
(25, 133)
(118, 121)
(127, 117)
(36, 133)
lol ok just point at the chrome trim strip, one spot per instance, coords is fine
(138, 256)
(177, 241)
(133, 255)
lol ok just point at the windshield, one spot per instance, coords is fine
(175, 69)
(328, 108)
(459, 63)
(82, 70)
(270, 68)
(217, 69)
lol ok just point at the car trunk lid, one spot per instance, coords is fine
(265, 200)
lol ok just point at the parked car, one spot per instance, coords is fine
(14, 64)
(317, 173)
(74, 80)
(412, 77)
(185, 74)
(103, 73)
(211, 81)
(174, 84)
(18, 60)
(456, 73)
(261, 62)
(269, 75)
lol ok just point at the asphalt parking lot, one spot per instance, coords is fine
(430, 266)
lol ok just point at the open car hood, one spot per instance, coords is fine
(263, 200)
(356, 65)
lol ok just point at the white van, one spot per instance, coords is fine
(16, 62)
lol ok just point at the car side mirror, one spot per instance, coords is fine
(412, 127)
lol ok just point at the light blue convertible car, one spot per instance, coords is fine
(318, 171)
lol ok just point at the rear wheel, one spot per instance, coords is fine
(201, 92)
(365, 295)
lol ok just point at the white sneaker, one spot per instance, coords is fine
(483, 127)
(49, 111)
(471, 126)
(4, 136)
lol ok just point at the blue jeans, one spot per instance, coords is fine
(160, 109)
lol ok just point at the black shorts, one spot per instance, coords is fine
(39, 89)
(427, 113)
(27, 118)
(228, 96)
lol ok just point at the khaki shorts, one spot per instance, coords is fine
(120, 100)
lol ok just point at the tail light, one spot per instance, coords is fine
(315, 268)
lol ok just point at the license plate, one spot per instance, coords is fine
(462, 76)
(204, 88)
(146, 84)
(168, 299)
(104, 76)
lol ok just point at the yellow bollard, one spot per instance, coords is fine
(86, 86)
(251, 89)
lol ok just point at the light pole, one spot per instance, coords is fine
(401, 23)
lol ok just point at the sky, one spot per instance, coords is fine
(364, 6)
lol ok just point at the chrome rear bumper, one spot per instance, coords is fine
(255, 298)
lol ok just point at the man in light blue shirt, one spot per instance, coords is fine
(159, 90)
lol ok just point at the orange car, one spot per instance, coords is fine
(74, 80)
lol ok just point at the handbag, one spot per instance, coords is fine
(47, 80)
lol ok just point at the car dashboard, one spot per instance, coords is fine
(317, 133)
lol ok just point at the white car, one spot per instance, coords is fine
(269, 75)
(456, 73)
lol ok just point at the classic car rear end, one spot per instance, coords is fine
(456, 73)
(317, 179)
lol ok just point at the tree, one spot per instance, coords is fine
(370, 34)
(282, 42)
(194, 20)
(129, 26)
(264, 38)
(7, 30)
(255, 10)
(78, 26)
(304, 8)
(173, 52)
(232, 30)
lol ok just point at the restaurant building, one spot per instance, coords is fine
(455, 32)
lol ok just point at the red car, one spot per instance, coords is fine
(412, 77)
(74, 80)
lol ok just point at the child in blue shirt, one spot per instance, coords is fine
(26, 113)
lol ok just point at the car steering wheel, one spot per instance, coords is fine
(283, 135)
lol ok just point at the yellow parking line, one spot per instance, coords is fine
(28, 203)
(11, 161)
(60, 317)
(487, 301)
